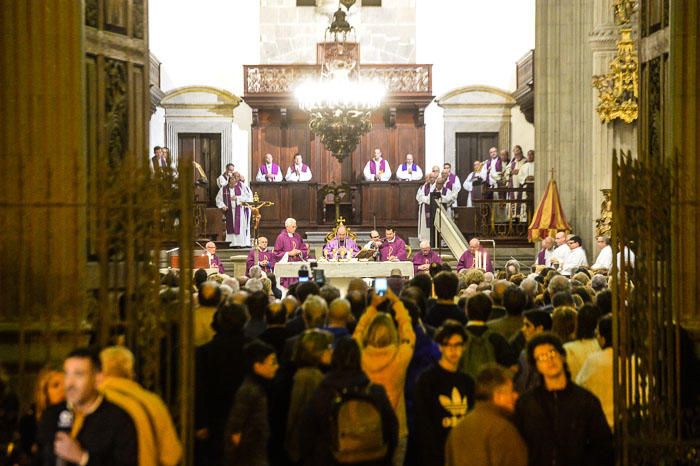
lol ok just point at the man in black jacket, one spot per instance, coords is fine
(443, 395)
(86, 429)
(561, 423)
(219, 371)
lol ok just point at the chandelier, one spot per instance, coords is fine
(340, 103)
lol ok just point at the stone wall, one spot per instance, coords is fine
(288, 33)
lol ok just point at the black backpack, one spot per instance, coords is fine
(356, 427)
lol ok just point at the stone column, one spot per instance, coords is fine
(564, 110)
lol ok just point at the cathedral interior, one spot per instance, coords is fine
(605, 91)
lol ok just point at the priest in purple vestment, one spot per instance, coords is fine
(230, 199)
(475, 257)
(545, 255)
(393, 248)
(289, 247)
(340, 247)
(269, 171)
(377, 169)
(265, 257)
(214, 261)
(409, 171)
(425, 257)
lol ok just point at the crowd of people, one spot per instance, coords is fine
(447, 368)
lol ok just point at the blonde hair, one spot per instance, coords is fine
(41, 390)
(475, 276)
(117, 361)
(381, 332)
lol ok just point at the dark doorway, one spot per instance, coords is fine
(470, 147)
(205, 149)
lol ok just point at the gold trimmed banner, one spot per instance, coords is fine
(549, 216)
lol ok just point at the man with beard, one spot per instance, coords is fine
(86, 428)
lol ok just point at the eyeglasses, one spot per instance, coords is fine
(548, 356)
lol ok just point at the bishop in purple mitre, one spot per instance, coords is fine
(393, 248)
(423, 258)
(340, 247)
(475, 257)
(264, 257)
(289, 247)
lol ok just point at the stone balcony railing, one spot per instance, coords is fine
(400, 80)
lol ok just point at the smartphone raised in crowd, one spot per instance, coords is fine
(380, 286)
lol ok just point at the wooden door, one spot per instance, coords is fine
(471, 147)
(205, 149)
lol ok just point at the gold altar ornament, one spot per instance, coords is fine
(619, 89)
(623, 11)
(603, 225)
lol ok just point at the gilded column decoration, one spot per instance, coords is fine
(623, 11)
(116, 109)
(603, 225)
(619, 89)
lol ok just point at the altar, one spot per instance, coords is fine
(339, 274)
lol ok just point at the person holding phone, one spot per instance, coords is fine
(386, 354)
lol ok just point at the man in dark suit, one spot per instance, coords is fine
(86, 428)
(160, 158)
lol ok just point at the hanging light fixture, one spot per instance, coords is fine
(340, 103)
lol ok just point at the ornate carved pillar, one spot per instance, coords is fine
(681, 146)
(42, 167)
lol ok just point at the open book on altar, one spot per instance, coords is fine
(365, 254)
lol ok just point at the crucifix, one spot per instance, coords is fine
(255, 207)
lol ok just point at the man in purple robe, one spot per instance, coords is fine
(545, 255)
(269, 171)
(451, 181)
(409, 171)
(289, 247)
(393, 248)
(475, 257)
(377, 169)
(492, 171)
(340, 247)
(298, 171)
(265, 257)
(214, 261)
(230, 199)
(425, 257)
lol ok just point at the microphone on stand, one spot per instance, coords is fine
(65, 424)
